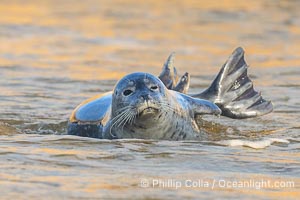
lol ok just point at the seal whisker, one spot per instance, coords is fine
(128, 113)
(125, 120)
(132, 118)
(124, 109)
(117, 123)
(117, 120)
(111, 127)
(129, 121)
(118, 116)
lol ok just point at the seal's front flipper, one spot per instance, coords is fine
(199, 106)
(232, 90)
(88, 119)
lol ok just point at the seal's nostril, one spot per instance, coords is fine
(145, 97)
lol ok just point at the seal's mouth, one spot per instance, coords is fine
(145, 110)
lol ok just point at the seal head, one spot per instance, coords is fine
(137, 96)
(140, 93)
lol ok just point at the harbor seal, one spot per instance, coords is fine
(147, 107)
(142, 107)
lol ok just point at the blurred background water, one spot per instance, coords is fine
(55, 54)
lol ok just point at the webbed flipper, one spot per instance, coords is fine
(170, 78)
(183, 84)
(169, 72)
(199, 106)
(232, 90)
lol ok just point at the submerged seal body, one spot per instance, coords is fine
(146, 107)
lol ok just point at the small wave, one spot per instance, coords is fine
(253, 144)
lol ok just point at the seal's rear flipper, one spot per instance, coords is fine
(183, 84)
(169, 73)
(170, 78)
(232, 90)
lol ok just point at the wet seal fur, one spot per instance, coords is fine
(146, 107)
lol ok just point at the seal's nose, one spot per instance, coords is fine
(145, 97)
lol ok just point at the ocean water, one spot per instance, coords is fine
(55, 54)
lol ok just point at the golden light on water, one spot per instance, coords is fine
(114, 36)
(56, 53)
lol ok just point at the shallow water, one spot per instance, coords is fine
(55, 54)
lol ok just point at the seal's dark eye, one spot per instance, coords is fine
(127, 92)
(154, 87)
